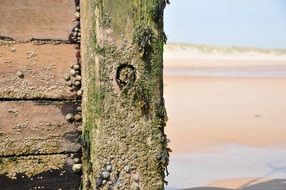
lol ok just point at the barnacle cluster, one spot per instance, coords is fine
(75, 35)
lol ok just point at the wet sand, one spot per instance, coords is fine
(227, 130)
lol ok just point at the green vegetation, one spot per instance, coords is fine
(124, 120)
(225, 50)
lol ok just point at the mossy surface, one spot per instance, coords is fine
(123, 121)
(30, 165)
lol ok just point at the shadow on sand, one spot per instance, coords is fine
(275, 184)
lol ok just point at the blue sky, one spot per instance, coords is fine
(256, 23)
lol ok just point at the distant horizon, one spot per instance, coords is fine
(241, 23)
(223, 46)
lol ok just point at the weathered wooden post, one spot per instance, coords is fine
(124, 116)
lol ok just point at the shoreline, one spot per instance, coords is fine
(226, 115)
(247, 109)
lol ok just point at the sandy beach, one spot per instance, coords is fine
(227, 122)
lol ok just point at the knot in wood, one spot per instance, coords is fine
(125, 75)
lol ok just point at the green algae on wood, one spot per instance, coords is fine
(39, 172)
(124, 113)
(30, 165)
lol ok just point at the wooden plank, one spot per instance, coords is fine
(49, 172)
(40, 19)
(124, 114)
(34, 127)
(42, 68)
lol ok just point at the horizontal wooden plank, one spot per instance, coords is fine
(29, 70)
(49, 172)
(34, 127)
(40, 19)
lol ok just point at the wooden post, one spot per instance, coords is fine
(123, 107)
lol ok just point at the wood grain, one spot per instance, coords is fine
(40, 19)
(43, 67)
(37, 127)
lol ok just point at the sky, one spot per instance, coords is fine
(246, 23)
